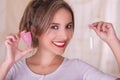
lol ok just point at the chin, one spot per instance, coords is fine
(59, 52)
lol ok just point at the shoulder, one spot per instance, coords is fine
(16, 69)
(77, 66)
(76, 62)
(88, 71)
(80, 66)
(20, 65)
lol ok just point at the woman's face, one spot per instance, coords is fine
(59, 33)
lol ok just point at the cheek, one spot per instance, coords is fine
(51, 34)
(70, 34)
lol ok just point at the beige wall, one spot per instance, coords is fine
(2, 28)
(86, 11)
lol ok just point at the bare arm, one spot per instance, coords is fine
(13, 54)
(115, 46)
(4, 68)
(107, 33)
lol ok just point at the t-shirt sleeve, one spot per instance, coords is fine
(95, 74)
(91, 73)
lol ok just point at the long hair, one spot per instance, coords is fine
(39, 14)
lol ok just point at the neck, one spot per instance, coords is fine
(45, 58)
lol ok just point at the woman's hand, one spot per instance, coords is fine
(104, 30)
(13, 52)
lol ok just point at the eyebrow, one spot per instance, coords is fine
(70, 23)
(59, 24)
(55, 23)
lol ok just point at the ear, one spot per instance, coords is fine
(33, 30)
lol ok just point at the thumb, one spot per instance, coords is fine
(91, 26)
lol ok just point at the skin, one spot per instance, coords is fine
(13, 54)
(48, 57)
(107, 33)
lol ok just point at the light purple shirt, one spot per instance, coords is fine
(70, 69)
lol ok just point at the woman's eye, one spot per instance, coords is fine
(68, 26)
(55, 27)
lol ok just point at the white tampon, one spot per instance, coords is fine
(91, 40)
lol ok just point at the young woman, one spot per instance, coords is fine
(51, 23)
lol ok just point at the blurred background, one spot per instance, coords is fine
(85, 44)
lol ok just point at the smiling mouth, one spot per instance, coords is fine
(59, 44)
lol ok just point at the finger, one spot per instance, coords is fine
(99, 26)
(8, 42)
(91, 26)
(110, 28)
(95, 24)
(17, 36)
(109, 25)
(104, 27)
(22, 33)
(12, 38)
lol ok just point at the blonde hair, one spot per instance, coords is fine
(39, 14)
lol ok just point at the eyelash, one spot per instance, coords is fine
(67, 27)
(54, 27)
(57, 27)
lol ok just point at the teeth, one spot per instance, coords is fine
(59, 43)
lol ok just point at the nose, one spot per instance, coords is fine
(62, 34)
